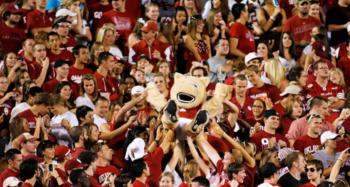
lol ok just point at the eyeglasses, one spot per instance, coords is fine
(310, 169)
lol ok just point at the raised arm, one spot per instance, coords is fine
(196, 157)
(207, 148)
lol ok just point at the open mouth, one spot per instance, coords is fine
(185, 98)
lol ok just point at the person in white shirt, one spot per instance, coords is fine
(100, 112)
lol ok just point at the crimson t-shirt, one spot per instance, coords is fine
(7, 173)
(245, 37)
(331, 90)
(30, 117)
(267, 90)
(75, 75)
(36, 19)
(11, 38)
(154, 162)
(307, 144)
(102, 173)
(262, 138)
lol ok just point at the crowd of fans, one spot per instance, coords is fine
(73, 89)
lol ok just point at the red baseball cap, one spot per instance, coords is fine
(320, 49)
(13, 9)
(74, 164)
(150, 26)
(61, 151)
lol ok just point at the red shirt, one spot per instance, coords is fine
(342, 145)
(93, 181)
(102, 173)
(50, 86)
(142, 48)
(30, 117)
(27, 185)
(261, 139)
(64, 55)
(34, 68)
(300, 28)
(97, 11)
(307, 144)
(64, 178)
(138, 183)
(245, 110)
(331, 90)
(11, 38)
(75, 152)
(107, 84)
(267, 90)
(36, 19)
(7, 173)
(154, 162)
(245, 37)
(308, 185)
(75, 75)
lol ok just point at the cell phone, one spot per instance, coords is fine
(51, 167)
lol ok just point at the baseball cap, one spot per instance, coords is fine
(60, 63)
(61, 151)
(13, 9)
(25, 137)
(65, 12)
(269, 113)
(135, 150)
(251, 56)
(137, 90)
(74, 164)
(11, 181)
(59, 20)
(150, 26)
(328, 135)
(291, 89)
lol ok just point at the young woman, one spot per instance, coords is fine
(293, 111)
(216, 26)
(88, 92)
(162, 85)
(107, 36)
(287, 55)
(258, 109)
(196, 42)
(166, 180)
(216, 5)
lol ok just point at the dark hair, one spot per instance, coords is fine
(240, 77)
(75, 175)
(103, 56)
(42, 99)
(28, 169)
(179, 9)
(122, 180)
(82, 111)
(234, 168)
(133, 134)
(87, 157)
(76, 49)
(75, 133)
(318, 164)
(202, 181)
(11, 153)
(52, 33)
(237, 9)
(33, 91)
(291, 49)
(295, 73)
(43, 145)
(317, 101)
(16, 127)
(137, 167)
(57, 99)
(61, 85)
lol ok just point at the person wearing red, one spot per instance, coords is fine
(241, 38)
(39, 19)
(39, 108)
(240, 99)
(29, 172)
(323, 87)
(40, 65)
(106, 84)
(344, 63)
(150, 46)
(76, 72)
(62, 26)
(61, 70)
(263, 138)
(309, 143)
(124, 21)
(141, 172)
(56, 53)
(104, 157)
(314, 170)
(260, 89)
(62, 155)
(11, 34)
(300, 25)
(14, 160)
(26, 55)
(79, 136)
(96, 11)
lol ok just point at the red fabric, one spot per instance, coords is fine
(97, 11)
(218, 143)
(34, 68)
(76, 151)
(288, 6)
(107, 84)
(154, 162)
(183, 184)
(50, 86)
(308, 185)
(7, 173)
(189, 113)
(314, 89)
(262, 136)
(245, 111)
(27, 185)
(75, 75)
(279, 109)
(285, 124)
(307, 144)
(64, 55)
(201, 48)
(30, 117)
(138, 183)
(300, 28)
(36, 19)
(249, 179)
(245, 37)
(142, 48)
(11, 38)
(102, 173)
(93, 181)
(64, 178)
(267, 90)
(342, 145)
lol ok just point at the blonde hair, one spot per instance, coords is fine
(340, 73)
(102, 31)
(274, 71)
(193, 168)
(67, 3)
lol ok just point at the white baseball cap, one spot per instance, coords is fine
(65, 12)
(135, 150)
(251, 56)
(328, 135)
(11, 181)
(137, 90)
(291, 89)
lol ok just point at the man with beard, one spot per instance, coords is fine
(301, 25)
(11, 34)
(79, 137)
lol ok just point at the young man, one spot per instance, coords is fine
(260, 89)
(309, 143)
(295, 162)
(39, 19)
(82, 56)
(62, 155)
(61, 72)
(240, 99)
(236, 174)
(79, 137)
(28, 146)
(14, 160)
(241, 38)
(101, 110)
(222, 48)
(62, 26)
(40, 65)
(263, 138)
(314, 171)
(140, 171)
(29, 172)
(269, 173)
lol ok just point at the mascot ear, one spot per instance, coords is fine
(205, 81)
(178, 76)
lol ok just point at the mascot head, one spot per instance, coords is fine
(189, 91)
